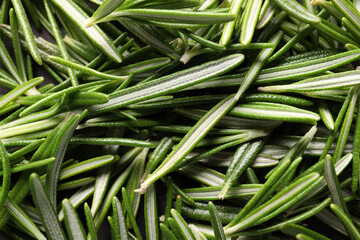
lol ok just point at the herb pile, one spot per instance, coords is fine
(191, 119)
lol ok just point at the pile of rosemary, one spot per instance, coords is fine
(191, 119)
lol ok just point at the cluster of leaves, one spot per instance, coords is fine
(227, 106)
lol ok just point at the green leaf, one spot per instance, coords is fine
(274, 111)
(349, 225)
(107, 201)
(294, 230)
(94, 33)
(25, 221)
(296, 10)
(118, 216)
(333, 184)
(20, 90)
(327, 82)
(6, 180)
(212, 193)
(174, 16)
(249, 21)
(84, 166)
(59, 149)
(46, 209)
(129, 211)
(151, 214)
(215, 222)
(345, 128)
(90, 222)
(78, 198)
(73, 224)
(241, 160)
(86, 70)
(169, 84)
(25, 26)
(17, 46)
(182, 225)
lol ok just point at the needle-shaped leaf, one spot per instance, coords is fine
(174, 16)
(85, 69)
(349, 225)
(19, 56)
(119, 219)
(345, 128)
(167, 232)
(216, 223)
(302, 236)
(130, 213)
(46, 209)
(94, 33)
(47, 113)
(32, 127)
(274, 111)
(149, 38)
(267, 11)
(72, 222)
(241, 160)
(296, 10)
(141, 67)
(229, 26)
(75, 184)
(118, 183)
(333, 184)
(293, 230)
(84, 166)
(326, 115)
(9, 65)
(170, 83)
(61, 144)
(207, 176)
(6, 179)
(25, 26)
(356, 156)
(197, 233)
(26, 222)
(18, 91)
(135, 179)
(191, 139)
(158, 154)
(78, 198)
(201, 212)
(151, 214)
(249, 20)
(182, 225)
(212, 193)
(90, 222)
(28, 166)
(327, 82)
